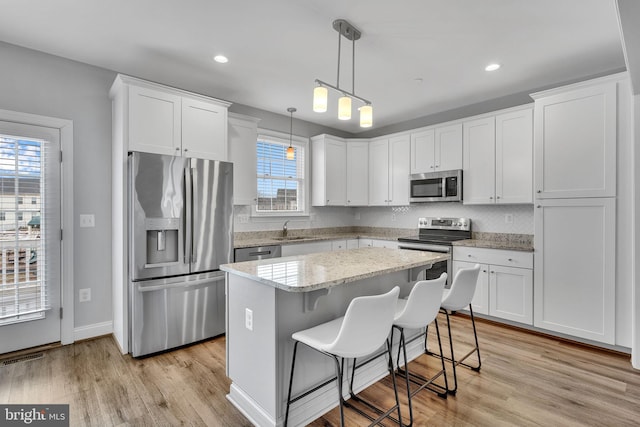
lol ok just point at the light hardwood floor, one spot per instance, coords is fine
(525, 380)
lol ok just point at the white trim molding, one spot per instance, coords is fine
(66, 145)
(92, 331)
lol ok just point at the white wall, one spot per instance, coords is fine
(37, 83)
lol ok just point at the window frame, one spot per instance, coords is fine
(302, 148)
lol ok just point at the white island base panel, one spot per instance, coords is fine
(259, 355)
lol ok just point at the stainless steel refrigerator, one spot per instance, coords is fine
(180, 232)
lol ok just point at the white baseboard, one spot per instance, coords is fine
(92, 331)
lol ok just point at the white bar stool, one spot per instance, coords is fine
(456, 298)
(418, 311)
(364, 329)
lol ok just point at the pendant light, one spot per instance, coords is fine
(291, 152)
(320, 92)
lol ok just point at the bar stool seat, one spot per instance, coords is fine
(418, 311)
(458, 297)
(360, 332)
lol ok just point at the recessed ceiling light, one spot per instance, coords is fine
(221, 59)
(492, 67)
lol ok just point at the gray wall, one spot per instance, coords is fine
(36, 83)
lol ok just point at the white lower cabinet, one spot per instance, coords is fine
(505, 283)
(575, 280)
(307, 248)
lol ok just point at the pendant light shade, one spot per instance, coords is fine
(320, 96)
(291, 152)
(344, 108)
(366, 116)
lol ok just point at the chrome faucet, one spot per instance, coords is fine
(285, 229)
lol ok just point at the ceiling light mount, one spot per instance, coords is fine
(320, 92)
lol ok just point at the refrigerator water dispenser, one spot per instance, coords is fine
(162, 241)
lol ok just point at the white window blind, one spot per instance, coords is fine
(23, 290)
(281, 186)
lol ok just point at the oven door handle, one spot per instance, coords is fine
(425, 247)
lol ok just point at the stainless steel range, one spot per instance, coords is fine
(436, 235)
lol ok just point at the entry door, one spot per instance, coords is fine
(30, 240)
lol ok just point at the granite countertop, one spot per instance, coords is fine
(510, 242)
(323, 270)
(253, 239)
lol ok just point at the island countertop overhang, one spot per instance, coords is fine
(323, 270)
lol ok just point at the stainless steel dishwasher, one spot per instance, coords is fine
(255, 253)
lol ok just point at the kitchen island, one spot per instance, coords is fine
(268, 300)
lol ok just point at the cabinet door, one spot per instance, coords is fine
(514, 157)
(392, 244)
(243, 134)
(480, 301)
(479, 161)
(204, 130)
(399, 168)
(365, 243)
(357, 173)
(574, 280)
(154, 121)
(448, 147)
(379, 172)
(511, 293)
(423, 151)
(336, 173)
(306, 248)
(575, 143)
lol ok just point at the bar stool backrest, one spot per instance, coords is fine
(366, 325)
(423, 303)
(462, 289)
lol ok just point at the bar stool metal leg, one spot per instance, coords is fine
(460, 361)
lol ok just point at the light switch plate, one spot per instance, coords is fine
(87, 220)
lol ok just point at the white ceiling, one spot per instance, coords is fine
(277, 48)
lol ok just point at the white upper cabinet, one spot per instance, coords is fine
(437, 149)
(329, 171)
(478, 172)
(204, 129)
(514, 157)
(379, 172)
(164, 120)
(243, 135)
(357, 173)
(575, 141)
(154, 121)
(389, 168)
(498, 158)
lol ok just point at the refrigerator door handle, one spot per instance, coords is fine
(188, 215)
(194, 212)
(151, 288)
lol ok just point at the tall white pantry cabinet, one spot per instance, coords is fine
(152, 118)
(579, 131)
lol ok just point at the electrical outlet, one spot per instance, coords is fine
(393, 217)
(87, 220)
(243, 218)
(508, 218)
(84, 295)
(248, 319)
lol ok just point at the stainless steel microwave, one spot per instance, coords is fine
(443, 186)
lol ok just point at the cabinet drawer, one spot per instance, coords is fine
(494, 256)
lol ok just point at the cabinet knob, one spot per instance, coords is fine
(510, 259)
(469, 256)
(498, 197)
(327, 200)
(431, 167)
(539, 191)
(185, 150)
(539, 206)
(437, 166)
(493, 272)
(177, 148)
(491, 198)
(484, 271)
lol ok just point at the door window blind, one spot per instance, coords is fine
(23, 290)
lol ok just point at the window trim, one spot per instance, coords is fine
(303, 144)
